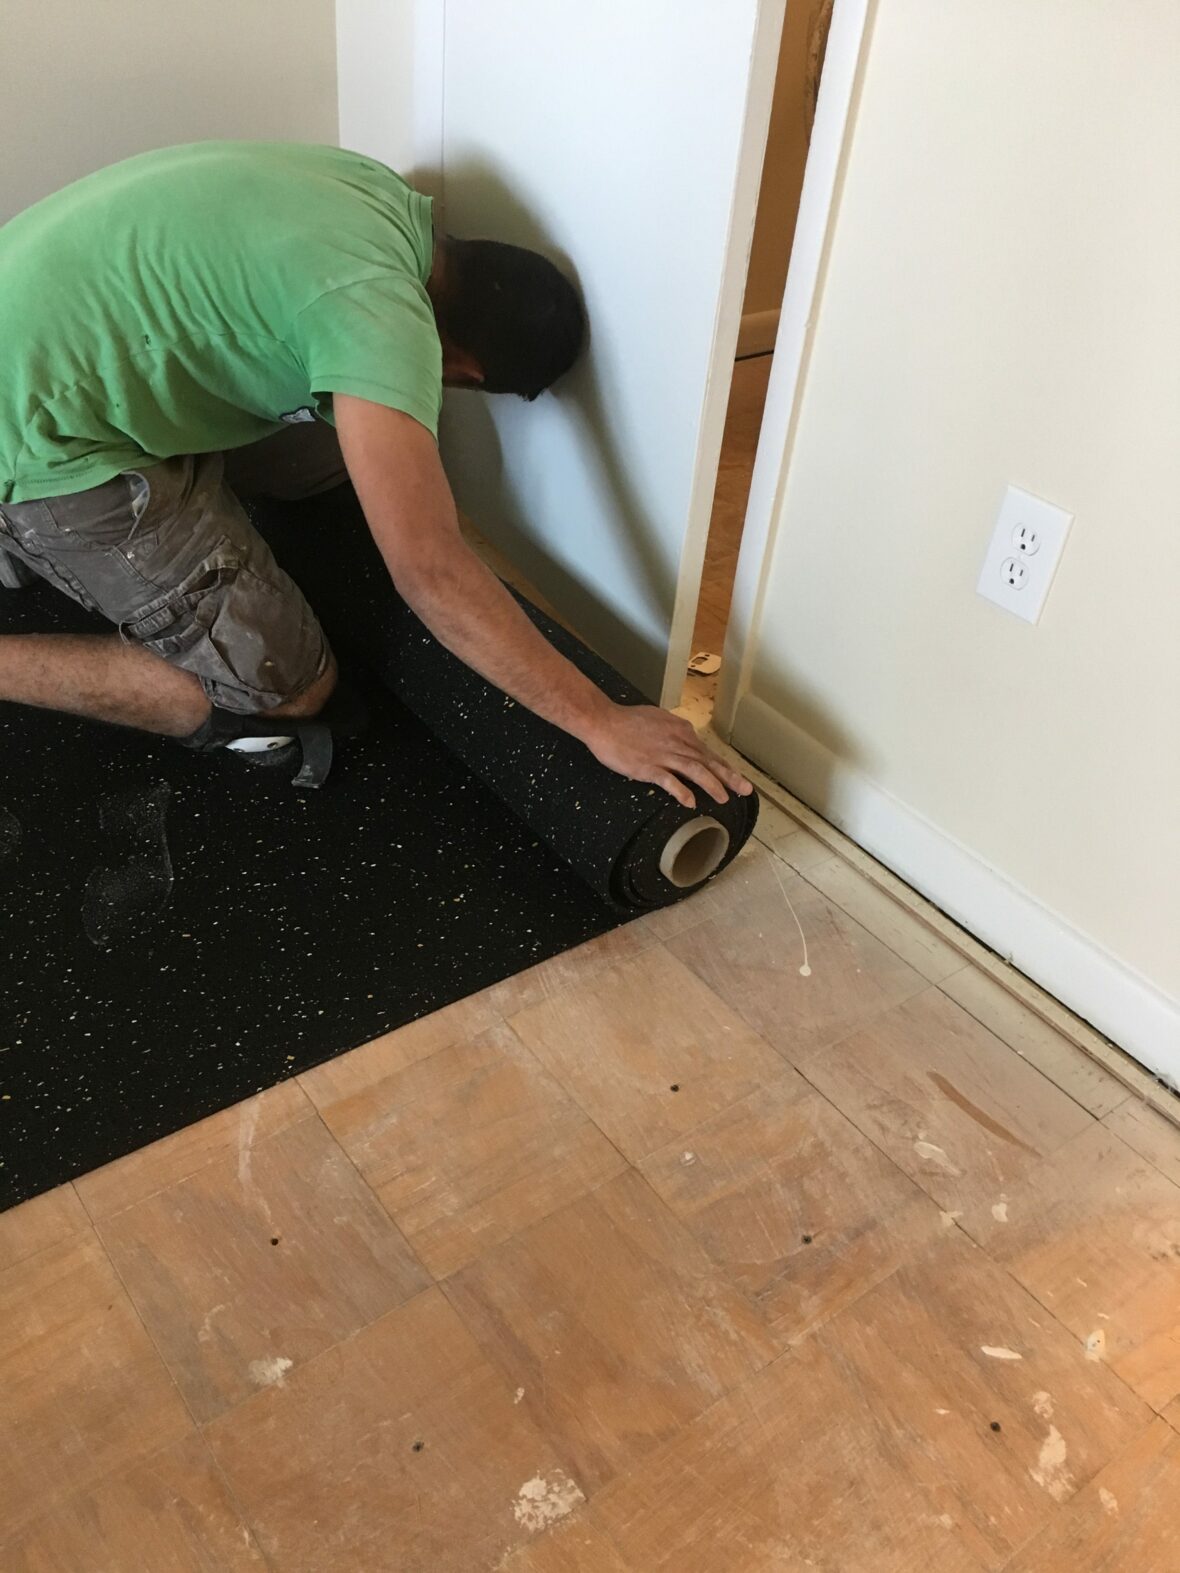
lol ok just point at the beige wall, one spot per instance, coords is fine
(390, 86)
(85, 84)
(1001, 305)
(786, 153)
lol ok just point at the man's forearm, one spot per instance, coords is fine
(394, 464)
(469, 611)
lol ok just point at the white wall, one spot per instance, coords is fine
(610, 135)
(1000, 305)
(85, 84)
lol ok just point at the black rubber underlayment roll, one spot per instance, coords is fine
(179, 932)
(610, 830)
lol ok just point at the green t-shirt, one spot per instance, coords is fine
(195, 298)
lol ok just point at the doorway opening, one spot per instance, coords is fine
(800, 63)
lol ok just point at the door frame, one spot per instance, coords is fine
(726, 327)
(839, 95)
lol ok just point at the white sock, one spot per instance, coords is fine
(258, 745)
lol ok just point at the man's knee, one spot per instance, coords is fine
(243, 627)
(312, 700)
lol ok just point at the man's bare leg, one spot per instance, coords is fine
(101, 678)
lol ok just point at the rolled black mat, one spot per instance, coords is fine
(179, 931)
(614, 833)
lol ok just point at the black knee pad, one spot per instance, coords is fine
(313, 737)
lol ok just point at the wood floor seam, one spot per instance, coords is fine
(260, 1394)
(1070, 1047)
(28, 1256)
(84, 1185)
(1049, 1311)
(116, 1469)
(362, 1180)
(1136, 1107)
(239, 1507)
(131, 1300)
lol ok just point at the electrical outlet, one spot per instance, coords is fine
(1023, 554)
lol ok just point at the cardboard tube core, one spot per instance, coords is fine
(693, 852)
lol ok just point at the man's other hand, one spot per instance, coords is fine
(647, 744)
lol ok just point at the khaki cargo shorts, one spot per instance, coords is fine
(168, 555)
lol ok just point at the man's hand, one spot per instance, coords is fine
(653, 745)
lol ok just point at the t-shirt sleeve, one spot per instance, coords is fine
(377, 340)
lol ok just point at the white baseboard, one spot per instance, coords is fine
(757, 333)
(1094, 984)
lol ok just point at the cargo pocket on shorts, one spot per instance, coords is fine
(254, 644)
(178, 627)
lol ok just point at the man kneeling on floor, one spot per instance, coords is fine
(223, 319)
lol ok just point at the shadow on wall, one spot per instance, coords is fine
(496, 501)
(825, 751)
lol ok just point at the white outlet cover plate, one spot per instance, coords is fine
(1051, 525)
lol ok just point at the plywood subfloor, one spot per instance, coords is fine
(767, 1234)
(691, 1250)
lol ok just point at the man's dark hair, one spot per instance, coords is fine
(517, 314)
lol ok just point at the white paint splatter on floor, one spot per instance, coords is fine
(949, 1219)
(1000, 1210)
(247, 1124)
(1043, 1405)
(269, 1372)
(205, 1331)
(999, 1352)
(518, 1395)
(805, 969)
(937, 1156)
(1096, 1344)
(541, 1502)
(1051, 1472)
(1110, 1503)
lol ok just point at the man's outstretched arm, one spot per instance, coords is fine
(394, 464)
